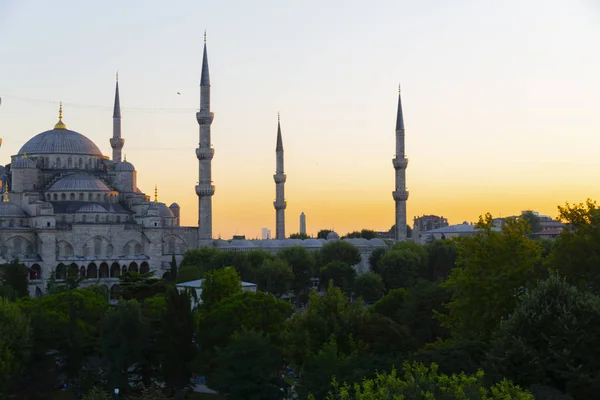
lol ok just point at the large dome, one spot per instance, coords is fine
(60, 141)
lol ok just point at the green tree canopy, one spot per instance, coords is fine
(551, 339)
(399, 268)
(15, 277)
(369, 286)
(219, 284)
(187, 274)
(340, 274)
(247, 367)
(339, 250)
(375, 257)
(302, 263)
(416, 381)
(15, 344)
(275, 277)
(441, 258)
(494, 268)
(299, 236)
(201, 258)
(322, 234)
(533, 221)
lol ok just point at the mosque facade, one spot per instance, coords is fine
(68, 209)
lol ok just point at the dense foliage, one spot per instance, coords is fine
(423, 323)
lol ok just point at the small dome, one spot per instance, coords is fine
(22, 163)
(11, 210)
(377, 242)
(92, 208)
(359, 242)
(164, 211)
(332, 236)
(174, 205)
(124, 167)
(312, 243)
(267, 243)
(79, 182)
(60, 141)
(220, 243)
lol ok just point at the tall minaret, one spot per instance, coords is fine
(205, 189)
(400, 162)
(116, 142)
(279, 178)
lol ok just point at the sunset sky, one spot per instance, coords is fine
(501, 101)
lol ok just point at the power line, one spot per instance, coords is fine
(102, 107)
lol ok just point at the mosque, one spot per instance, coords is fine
(68, 209)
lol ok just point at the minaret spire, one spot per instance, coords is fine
(280, 204)
(116, 142)
(205, 189)
(400, 163)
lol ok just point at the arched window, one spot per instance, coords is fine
(35, 272)
(144, 268)
(138, 249)
(73, 270)
(109, 250)
(90, 197)
(63, 196)
(97, 246)
(72, 196)
(58, 163)
(18, 243)
(61, 271)
(69, 163)
(103, 270)
(49, 197)
(55, 197)
(92, 271)
(133, 267)
(80, 163)
(81, 196)
(115, 270)
(126, 250)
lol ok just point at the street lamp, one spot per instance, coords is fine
(116, 393)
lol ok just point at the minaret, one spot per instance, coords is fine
(400, 162)
(279, 177)
(116, 142)
(205, 189)
(302, 224)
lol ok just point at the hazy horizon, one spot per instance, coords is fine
(500, 102)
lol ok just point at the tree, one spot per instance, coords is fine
(247, 367)
(15, 342)
(416, 381)
(123, 339)
(340, 274)
(533, 221)
(322, 234)
(339, 250)
(133, 285)
(419, 250)
(375, 257)
(173, 270)
(15, 276)
(551, 339)
(399, 268)
(177, 341)
(369, 286)
(302, 263)
(275, 277)
(219, 284)
(148, 368)
(299, 236)
(576, 252)
(201, 258)
(494, 269)
(96, 393)
(187, 274)
(441, 258)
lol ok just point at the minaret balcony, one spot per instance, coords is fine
(400, 195)
(205, 117)
(400, 162)
(279, 178)
(280, 204)
(205, 153)
(205, 189)
(117, 142)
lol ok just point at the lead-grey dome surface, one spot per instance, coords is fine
(60, 141)
(11, 210)
(79, 182)
(124, 166)
(23, 163)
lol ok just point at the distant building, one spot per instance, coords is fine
(302, 224)
(447, 232)
(426, 223)
(196, 286)
(266, 233)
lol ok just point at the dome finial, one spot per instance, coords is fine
(24, 155)
(125, 157)
(155, 194)
(6, 191)
(60, 124)
(117, 76)
(205, 36)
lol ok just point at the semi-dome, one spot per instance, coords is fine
(60, 141)
(332, 236)
(11, 210)
(164, 211)
(174, 205)
(22, 163)
(124, 166)
(79, 182)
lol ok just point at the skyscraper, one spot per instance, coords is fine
(302, 224)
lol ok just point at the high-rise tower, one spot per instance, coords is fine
(400, 163)
(279, 177)
(302, 224)
(205, 189)
(116, 142)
